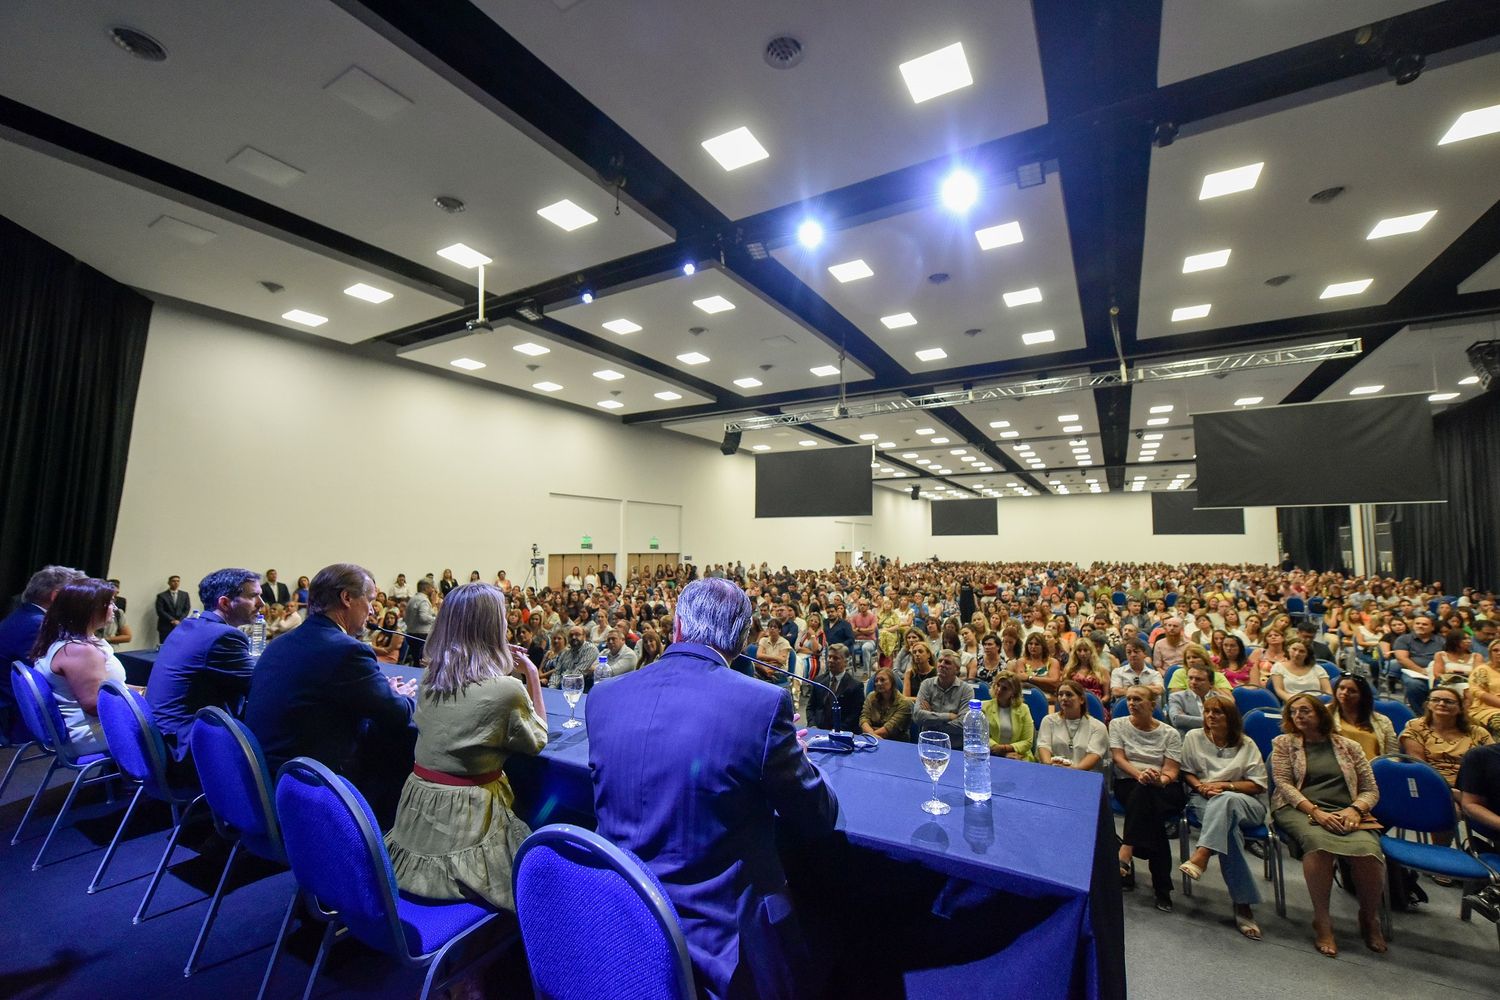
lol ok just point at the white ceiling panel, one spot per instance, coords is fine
(1428, 358)
(1486, 279)
(904, 251)
(1379, 143)
(841, 115)
(1030, 417)
(772, 439)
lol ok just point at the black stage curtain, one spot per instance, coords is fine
(71, 346)
(1311, 535)
(1458, 542)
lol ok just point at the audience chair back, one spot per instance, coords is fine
(1096, 707)
(1263, 725)
(1248, 698)
(981, 691)
(236, 783)
(1037, 702)
(19, 757)
(1334, 673)
(1397, 711)
(564, 871)
(1413, 796)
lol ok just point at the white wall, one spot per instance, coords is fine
(252, 449)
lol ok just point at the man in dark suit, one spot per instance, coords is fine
(607, 578)
(319, 693)
(18, 634)
(172, 606)
(206, 660)
(272, 592)
(693, 766)
(849, 692)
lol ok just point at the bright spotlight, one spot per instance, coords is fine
(689, 269)
(960, 191)
(809, 234)
(587, 297)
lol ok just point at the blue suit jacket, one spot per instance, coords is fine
(692, 765)
(18, 634)
(203, 662)
(315, 687)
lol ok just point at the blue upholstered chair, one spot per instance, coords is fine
(564, 875)
(141, 756)
(1096, 707)
(237, 785)
(1037, 702)
(40, 712)
(1397, 711)
(981, 691)
(340, 862)
(1334, 673)
(1166, 681)
(1263, 724)
(1296, 607)
(1248, 698)
(42, 753)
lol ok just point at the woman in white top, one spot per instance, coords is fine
(1228, 777)
(1455, 661)
(1299, 673)
(400, 590)
(1070, 737)
(1147, 754)
(590, 579)
(75, 662)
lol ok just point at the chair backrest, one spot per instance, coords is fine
(1247, 698)
(1096, 707)
(1263, 725)
(1334, 673)
(1413, 796)
(1117, 599)
(569, 877)
(1295, 605)
(1397, 711)
(1171, 672)
(981, 691)
(1037, 702)
(1171, 599)
(134, 741)
(337, 855)
(38, 709)
(236, 782)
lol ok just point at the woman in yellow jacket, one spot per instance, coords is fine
(1012, 732)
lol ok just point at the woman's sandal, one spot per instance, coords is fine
(1191, 870)
(1324, 942)
(1247, 926)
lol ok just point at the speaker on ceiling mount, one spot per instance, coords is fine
(915, 490)
(731, 443)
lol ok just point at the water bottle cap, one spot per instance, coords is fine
(974, 703)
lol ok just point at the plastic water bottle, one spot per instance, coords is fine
(601, 672)
(258, 635)
(976, 753)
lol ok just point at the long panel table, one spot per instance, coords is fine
(1018, 896)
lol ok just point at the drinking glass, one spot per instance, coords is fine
(572, 689)
(933, 750)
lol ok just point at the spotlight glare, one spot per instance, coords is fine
(689, 269)
(809, 234)
(960, 191)
(586, 297)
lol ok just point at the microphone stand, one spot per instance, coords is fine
(836, 740)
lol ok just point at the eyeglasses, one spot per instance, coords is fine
(1443, 701)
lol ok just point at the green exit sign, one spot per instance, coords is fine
(655, 543)
(586, 543)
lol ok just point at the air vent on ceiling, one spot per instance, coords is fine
(973, 331)
(138, 44)
(1326, 195)
(1276, 281)
(938, 278)
(783, 52)
(449, 204)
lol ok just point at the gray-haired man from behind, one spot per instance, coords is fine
(18, 634)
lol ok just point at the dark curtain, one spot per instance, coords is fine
(1458, 542)
(71, 346)
(1311, 535)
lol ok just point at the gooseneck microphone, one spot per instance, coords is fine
(836, 741)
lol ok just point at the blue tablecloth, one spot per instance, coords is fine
(137, 664)
(1014, 897)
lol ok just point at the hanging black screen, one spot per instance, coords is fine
(1175, 514)
(965, 517)
(825, 482)
(1313, 454)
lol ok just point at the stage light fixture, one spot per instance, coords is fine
(959, 192)
(586, 297)
(809, 234)
(689, 269)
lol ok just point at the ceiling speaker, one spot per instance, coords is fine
(731, 443)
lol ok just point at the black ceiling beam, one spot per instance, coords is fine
(980, 441)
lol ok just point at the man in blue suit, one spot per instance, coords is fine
(319, 693)
(693, 765)
(18, 634)
(206, 660)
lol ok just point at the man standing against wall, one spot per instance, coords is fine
(420, 618)
(172, 606)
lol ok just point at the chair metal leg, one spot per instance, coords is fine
(1182, 853)
(63, 812)
(1279, 882)
(35, 798)
(213, 911)
(166, 857)
(317, 966)
(286, 921)
(16, 760)
(114, 844)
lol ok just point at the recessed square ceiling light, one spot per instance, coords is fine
(937, 73)
(808, 443)
(467, 364)
(1471, 380)
(1442, 397)
(714, 304)
(1073, 429)
(851, 270)
(760, 447)
(610, 404)
(668, 395)
(735, 148)
(924, 431)
(567, 215)
(1400, 224)
(747, 383)
(608, 375)
(1341, 288)
(1003, 235)
(1190, 312)
(369, 293)
(899, 320)
(546, 386)
(824, 371)
(531, 349)
(1230, 181)
(1162, 408)
(304, 317)
(939, 440)
(1473, 124)
(932, 354)
(1010, 434)
(1249, 400)
(1158, 421)
(622, 326)
(1024, 297)
(1038, 337)
(997, 424)
(464, 256)
(693, 358)
(1205, 261)
(1365, 390)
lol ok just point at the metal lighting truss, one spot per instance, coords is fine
(1149, 372)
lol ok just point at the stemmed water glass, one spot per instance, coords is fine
(933, 749)
(572, 689)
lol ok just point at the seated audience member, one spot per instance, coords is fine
(866, 635)
(888, 635)
(387, 640)
(773, 647)
(1227, 776)
(1167, 653)
(18, 634)
(922, 668)
(549, 673)
(1484, 691)
(1147, 755)
(1271, 652)
(206, 660)
(1479, 788)
(619, 657)
(1185, 708)
(1196, 654)
(1012, 730)
(1037, 666)
(1308, 632)
(887, 712)
(1232, 662)
(836, 628)
(1355, 718)
(527, 638)
(579, 656)
(1443, 734)
(942, 699)
(1323, 791)
(1070, 737)
(400, 590)
(75, 661)
(649, 649)
(478, 702)
(1136, 672)
(1299, 673)
(117, 631)
(1457, 660)
(1413, 653)
(989, 662)
(812, 642)
(849, 692)
(319, 693)
(1086, 669)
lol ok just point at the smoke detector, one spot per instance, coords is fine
(783, 52)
